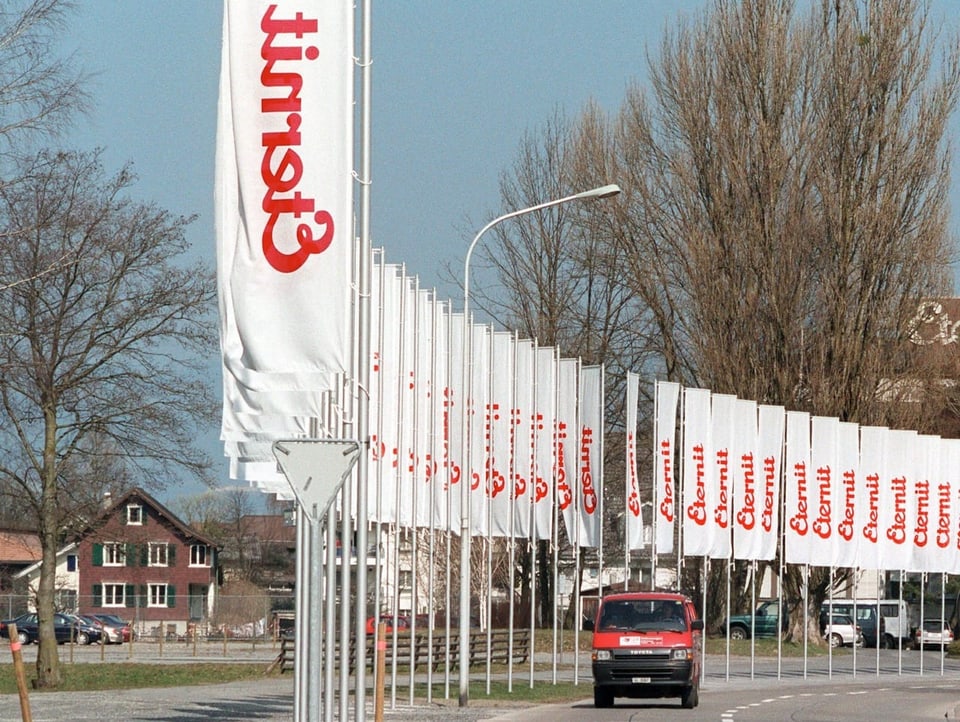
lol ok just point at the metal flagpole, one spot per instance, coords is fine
(363, 369)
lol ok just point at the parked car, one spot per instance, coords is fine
(933, 633)
(85, 630)
(865, 614)
(765, 622)
(117, 630)
(400, 623)
(65, 628)
(840, 631)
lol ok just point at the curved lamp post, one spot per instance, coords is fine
(465, 476)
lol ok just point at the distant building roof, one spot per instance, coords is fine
(19, 547)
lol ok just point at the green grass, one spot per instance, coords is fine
(92, 677)
(542, 692)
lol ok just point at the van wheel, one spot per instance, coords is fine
(690, 697)
(602, 697)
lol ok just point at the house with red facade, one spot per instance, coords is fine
(137, 560)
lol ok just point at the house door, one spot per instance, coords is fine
(198, 601)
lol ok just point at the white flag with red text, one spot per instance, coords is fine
(747, 539)
(666, 396)
(633, 505)
(565, 433)
(284, 197)
(873, 468)
(699, 486)
(591, 455)
(721, 429)
(797, 489)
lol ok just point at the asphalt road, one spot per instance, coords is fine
(762, 691)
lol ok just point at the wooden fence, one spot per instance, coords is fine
(423, 649)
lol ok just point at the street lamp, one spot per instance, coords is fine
(465, 478)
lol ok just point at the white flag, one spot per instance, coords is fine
(591, 456)
(721, 422)
(521, 442)
(633, 506)
(699, 480)
(873, 470)
(823, 490)
(284, 193)
(497, 474)
(666, 396)
(543, 424)
(848, 513)
(747, 540)
(565, 431)
(897, 500)
(798, 480)
(770, 424)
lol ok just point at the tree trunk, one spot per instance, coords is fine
(48, 661)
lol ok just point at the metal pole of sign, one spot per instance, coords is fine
(301, 693)
(316, 470)
(313, 596)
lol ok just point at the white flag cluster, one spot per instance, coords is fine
(533, 431)
(852, 496)
(520, 425)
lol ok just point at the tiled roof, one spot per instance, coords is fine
(19, 547)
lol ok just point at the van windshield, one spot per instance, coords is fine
(642, 616)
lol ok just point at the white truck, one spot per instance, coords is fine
(900, 619)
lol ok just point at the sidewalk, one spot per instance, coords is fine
(268, 700)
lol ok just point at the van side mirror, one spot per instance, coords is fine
(697, 625)
(587, 625)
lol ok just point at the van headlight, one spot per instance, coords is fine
(602, 655)
(682, 654)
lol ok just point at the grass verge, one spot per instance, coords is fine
(93, 677)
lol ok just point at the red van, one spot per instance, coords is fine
(646, 644)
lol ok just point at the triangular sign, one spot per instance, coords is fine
(315, 470)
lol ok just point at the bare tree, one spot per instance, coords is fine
(101, 359)
(784, 212)
(39, 91)
(788, 210)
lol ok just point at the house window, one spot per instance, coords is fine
(158, 554)
(405, 579)
(134, 514)
(71, 562)
(156, 595)
(199, 556)
(113, 595)
(114, 554)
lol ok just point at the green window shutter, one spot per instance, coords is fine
(98, 555)
(142, 593)
(98, 595)
(171, 596)
(171, 554)
(131, 555)
(144, 555)
(129, 599)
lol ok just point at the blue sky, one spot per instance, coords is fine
(455, 86)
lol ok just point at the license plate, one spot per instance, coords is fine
(640, 680)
